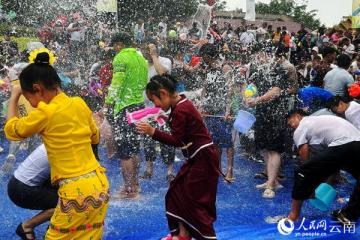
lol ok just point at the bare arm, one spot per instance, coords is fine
(160, 69)
(269, 95)
(13, 102)
(304, 152)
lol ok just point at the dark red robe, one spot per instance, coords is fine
(192, 194)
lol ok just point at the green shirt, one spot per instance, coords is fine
(130, 72)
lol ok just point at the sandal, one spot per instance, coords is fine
(263, 175)
(341, 217)
(268, 193)
(229, 180)
(22, 234)
(169, 237)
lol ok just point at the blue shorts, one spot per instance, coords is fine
(221, 131)
(126, 135)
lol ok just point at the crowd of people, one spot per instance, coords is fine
(199, 80)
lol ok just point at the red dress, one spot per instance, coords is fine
(192, 194)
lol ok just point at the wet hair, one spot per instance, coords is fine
(296, 111)
(39, 72)
(317, 57)
(158, 82)
(209, 50)
(121, 37)
(343, 61)
(328, 51)
(335, 101)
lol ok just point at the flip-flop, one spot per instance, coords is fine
(229, 180)
(22, 234)
(263, 175)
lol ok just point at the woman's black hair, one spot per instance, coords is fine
(158, 82)
(296, 111)
(335, 101)
(39, 72)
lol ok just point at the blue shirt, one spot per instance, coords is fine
(337, 81)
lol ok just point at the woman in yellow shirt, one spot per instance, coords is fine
(67, 128)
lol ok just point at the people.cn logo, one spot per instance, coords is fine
(285, 226)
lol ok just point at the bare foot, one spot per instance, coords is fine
(127, 194)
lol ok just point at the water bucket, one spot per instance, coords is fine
(244, 121)
(324, 197)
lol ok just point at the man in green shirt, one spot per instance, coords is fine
(125, 94)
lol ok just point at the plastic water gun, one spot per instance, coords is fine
(145, 114)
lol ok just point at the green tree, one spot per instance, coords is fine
(132, 10)
(35, 12)
(293, 9)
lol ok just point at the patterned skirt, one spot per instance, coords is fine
(82, 207)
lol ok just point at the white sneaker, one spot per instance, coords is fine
(1, 149)
(268, 193)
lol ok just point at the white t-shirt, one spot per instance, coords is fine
(166, 63)
(354, 66)
(247, 38)
(77, 35)
(352, 114)
(325, 130)
(35, 169)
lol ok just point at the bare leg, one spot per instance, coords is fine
(273, 168)
(183, 232)
(266, 159)
(230, 164)
(295, 210)
(37, 220)
(150, 167)
(127, 169)
(170, 168)
(135, 176)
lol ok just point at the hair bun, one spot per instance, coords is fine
(42, 58)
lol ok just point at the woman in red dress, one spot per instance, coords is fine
(190, 200)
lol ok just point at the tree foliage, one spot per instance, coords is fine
(29, 11)
(291, 8)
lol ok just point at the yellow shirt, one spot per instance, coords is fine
(67, 128)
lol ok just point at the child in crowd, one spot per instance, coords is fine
(190, 200)
(216, 104)
(346, 108)
(67, 129)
